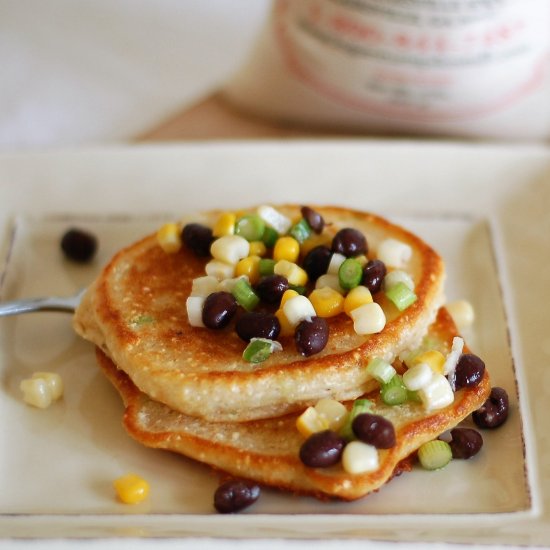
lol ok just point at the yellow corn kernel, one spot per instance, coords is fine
(298, 309)
(225, 225)
(286, 328)
(131, 489)
(368, 318)
(220, 270)
(36, 392)
(310, 422)
(362, 259)
(42, 389)
(294, 274)
(359, 458)
(230, 249)
(54, 381)
(333, 411)
(286, 248)
(257, 248)
(327, 302)
(169, 238)
(356, 297)
(433, 358)
(418, 377)
(249, 266)
(287, 295)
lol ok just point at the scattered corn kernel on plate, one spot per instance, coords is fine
(61, 463)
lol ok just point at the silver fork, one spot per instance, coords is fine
(66, 304)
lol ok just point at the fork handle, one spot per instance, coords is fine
(36, 304)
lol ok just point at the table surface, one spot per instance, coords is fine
(214, 118)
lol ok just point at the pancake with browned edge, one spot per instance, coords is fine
(267, 451)
(136, 313)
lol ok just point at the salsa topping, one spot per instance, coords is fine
(257, 257)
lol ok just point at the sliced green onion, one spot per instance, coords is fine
(245, 295)
(142, 320)
(359, 406)
(435, 454)
(251, 227)
(300, 230)
(270, 236)
(394, 392)
(257, 351)
(350, 273)
(266, 266)
(401, 296)
(380, 370)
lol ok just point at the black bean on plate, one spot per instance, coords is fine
(313, 218)
(469, 371)
(198, 238)
(373, 275)
(316, 262)
(349, 242)
(218, 309)
(257, 324)
(311, 336)
(271, 288)
(235, 495)
(322, 449)
(374, 430)
(79, 245)
(465, 442)
(494, 412)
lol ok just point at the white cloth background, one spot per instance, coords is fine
(77, 72)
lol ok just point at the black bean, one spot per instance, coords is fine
(313, 218)
(198, 238)
(322, 449)
(78, 245)
(218, 309)
(349, 242)
(469, 371)
(316, 262)
(311, 336)
(374, 430)
(465, 442)
(271, 288)
(373, 275)
(258, 324)
(235, 495)
(494, 412)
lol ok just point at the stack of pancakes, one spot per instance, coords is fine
(188, 389)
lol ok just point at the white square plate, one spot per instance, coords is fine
(481, 207)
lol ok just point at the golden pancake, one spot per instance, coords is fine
(136, 313)
(267, 451)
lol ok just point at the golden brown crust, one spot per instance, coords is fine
(201, 372)
(267, 450)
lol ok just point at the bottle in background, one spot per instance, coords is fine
(466, 68)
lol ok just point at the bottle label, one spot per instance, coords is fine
(417, 60)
